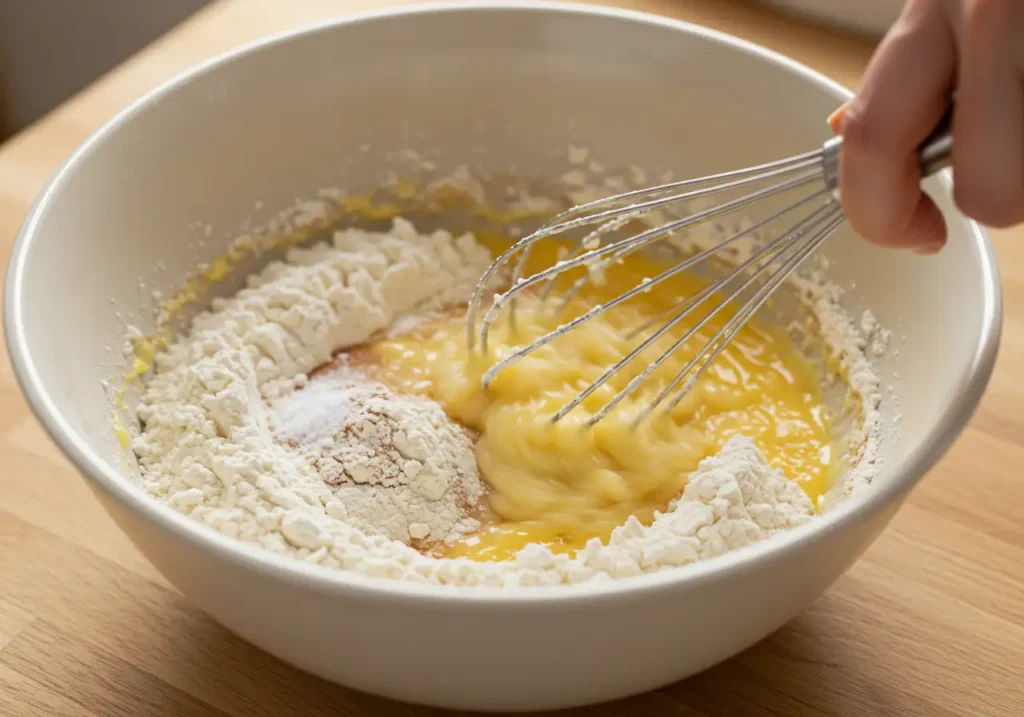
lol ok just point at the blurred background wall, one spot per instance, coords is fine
(50, 49)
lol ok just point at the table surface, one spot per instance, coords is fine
(930, 622)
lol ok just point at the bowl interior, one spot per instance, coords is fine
(174, 180)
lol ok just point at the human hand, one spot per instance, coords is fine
(972, 47)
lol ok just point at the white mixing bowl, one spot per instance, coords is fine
(495, 84)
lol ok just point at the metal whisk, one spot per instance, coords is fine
(807, 221)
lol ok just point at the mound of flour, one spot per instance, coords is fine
(397, 465)
(225, 439)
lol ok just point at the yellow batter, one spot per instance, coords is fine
(562, 484)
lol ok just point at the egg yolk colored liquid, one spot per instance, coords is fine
(561, 484)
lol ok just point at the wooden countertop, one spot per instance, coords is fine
(929, 623)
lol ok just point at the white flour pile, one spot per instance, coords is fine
(230, 441)
(396, 465)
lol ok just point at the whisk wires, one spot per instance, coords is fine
(786, 237)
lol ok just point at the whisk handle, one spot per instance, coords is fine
(934, 154)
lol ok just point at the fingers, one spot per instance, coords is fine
(988, 127)
(905, 93)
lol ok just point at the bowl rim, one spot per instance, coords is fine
(113, 483)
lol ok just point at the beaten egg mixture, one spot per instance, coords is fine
(562, 484)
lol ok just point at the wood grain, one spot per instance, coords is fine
(929, 623)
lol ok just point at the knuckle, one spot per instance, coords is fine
(931, 5)
(864, 221)
(997, 206)
(915, 15)
(984, 12)
(863, 133)
(865, 231)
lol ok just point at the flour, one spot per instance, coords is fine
(732, 500)
(397, 465)
(209, 445)
(237, 436)
(849, 344)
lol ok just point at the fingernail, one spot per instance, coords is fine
(835, 120)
